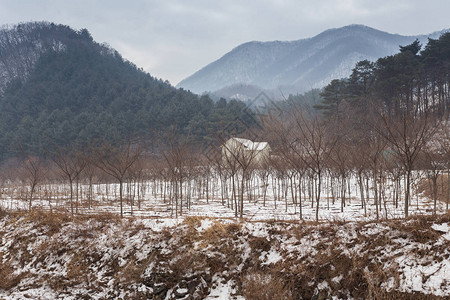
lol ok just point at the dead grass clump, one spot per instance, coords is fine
(8, 278)
(104, 218)
(53, 221)
(131, 273)
(215, 232)
(260, 286)
(259, 243)
(77, 269)
(193, 221)
(418, 228)
(3, 213)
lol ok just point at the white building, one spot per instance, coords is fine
(245, 151)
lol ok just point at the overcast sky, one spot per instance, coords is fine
(173, 39)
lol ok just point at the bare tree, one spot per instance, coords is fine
(444, 141)
(240, 155)
(176, 150)
(89, 173)
(406, 134)
(116, 161)
(71, 163)
(434, 162)
(33, 173)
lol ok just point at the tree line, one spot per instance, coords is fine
(414, 81)
(314, 164)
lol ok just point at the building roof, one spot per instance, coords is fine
(250, 145)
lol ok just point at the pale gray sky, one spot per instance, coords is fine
(171, 39)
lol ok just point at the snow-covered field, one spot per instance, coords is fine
(150, 202)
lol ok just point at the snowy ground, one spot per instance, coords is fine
(55, 197)
(46, 256)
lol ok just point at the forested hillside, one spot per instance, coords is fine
(414, 81)
(61, 88)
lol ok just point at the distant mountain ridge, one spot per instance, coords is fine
(298, 66)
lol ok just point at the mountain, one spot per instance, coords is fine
(297, 66)
(58, 87)
(237, 91)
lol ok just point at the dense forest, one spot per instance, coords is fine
(61, 88)
(414, 81)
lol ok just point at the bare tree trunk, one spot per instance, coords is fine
(71, 196)
(375, 190)
(361, 191)
(408, 190)
(241, 208)
(300, 199)
(319, 179)
(121, 195)
(448, 188)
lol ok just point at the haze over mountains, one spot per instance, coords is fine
(295, 66)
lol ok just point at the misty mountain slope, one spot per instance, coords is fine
(300, 65)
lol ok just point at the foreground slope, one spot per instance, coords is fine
(48, 256)
(297, 66)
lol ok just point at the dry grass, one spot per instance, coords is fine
(53, 221)
(77, 269)
(8, 278)
(418, 228)
(3, 213)
(262, 286)
(193, 222)
(221, 252)
(105, 218)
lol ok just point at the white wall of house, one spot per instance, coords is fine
(243, 149)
